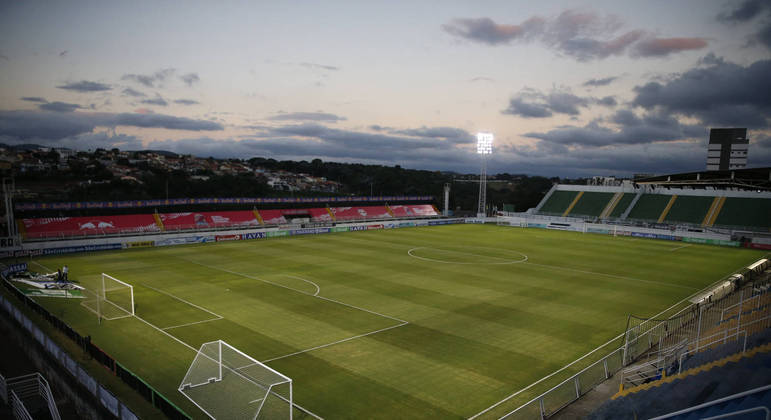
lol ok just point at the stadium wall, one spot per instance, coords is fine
(170, 239)
(700, 192)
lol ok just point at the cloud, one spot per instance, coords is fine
(746, 11)
(317, 66)
(85, 86)
(186, 102)
(717, 92)
(600, 82)
(190, 78)
(582, 35)
(63, 53)
(132, 92)
(481, 79)
(449, 134)
(307, 116)
(58, 125)
(486, 31)
(631, 129)
(150, 80)
(662, 47)
(531, 103)
(33, 99)
(158, 100)
(59, 106)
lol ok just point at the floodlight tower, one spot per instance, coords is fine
(484, 148)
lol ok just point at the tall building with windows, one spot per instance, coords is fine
(727, 149)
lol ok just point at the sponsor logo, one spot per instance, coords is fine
(8, 242)
(140, 244)
(277, 233)
(340, 229)
(221, 238)
(357, 228)
(374, 227)
(252, 235)
(311, 231)
(82, 248)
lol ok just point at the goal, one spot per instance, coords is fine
(113, 299)
(226, 383)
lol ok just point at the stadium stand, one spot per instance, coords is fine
(689, 209)
(591, 204)
(56, 227)
(272, 217)
(622, 205)
(742, 212)
(199, 220)
(360, 213)
(558, 202)
(414, 210)
(707, 382)
(649, 207)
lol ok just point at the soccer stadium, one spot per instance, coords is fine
(368, 309)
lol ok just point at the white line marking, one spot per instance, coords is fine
(506, 261)
(290, 288)
(335, 342)
(679, 247)
(192, 323)
(181, 300)
(257, 400)
(555, 267)
(318, 289)
(587, 354)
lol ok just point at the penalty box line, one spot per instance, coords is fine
(217, 317)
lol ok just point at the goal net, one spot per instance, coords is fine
(113, 299)
(227, 384)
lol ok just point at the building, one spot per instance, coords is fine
(727, 149)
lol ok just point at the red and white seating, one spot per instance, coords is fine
(52, 227)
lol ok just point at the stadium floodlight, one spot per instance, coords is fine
(225, 383)
(484, 148)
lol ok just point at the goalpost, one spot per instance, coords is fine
(113, 299)
(227, 384)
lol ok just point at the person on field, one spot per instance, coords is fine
(65, 271)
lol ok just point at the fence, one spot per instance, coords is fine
(570, 389)
(104, 396)
(31, 386)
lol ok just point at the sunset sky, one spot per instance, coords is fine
(569, 88)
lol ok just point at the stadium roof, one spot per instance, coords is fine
(747, 179)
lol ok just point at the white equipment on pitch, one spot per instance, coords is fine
(227, 384)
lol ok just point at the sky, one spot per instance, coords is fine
(568, 88)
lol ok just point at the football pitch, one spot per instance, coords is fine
(428, 322)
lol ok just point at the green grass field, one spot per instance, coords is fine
(433, 322)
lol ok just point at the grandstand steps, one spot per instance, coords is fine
(667, 208)
(611, 205)
(21, 229)
(159, 222)
(332, 214)
(714, 212)
(388, 208)
(628, 210)
(258, 217)
(546, 198)
(694, 371)
(573, 203)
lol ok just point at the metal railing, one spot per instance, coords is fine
(720, 401)
(31, 386)
(569, 390)
(17, 407)
(719, 340)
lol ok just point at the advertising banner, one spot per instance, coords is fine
(374, 227)
(140, 244)
(222, 238)
(185, 240)
(357, 228)
(309, 231)
(406, 224)
(81, 248)
(277, 233)
(252, 235)
(340, 229)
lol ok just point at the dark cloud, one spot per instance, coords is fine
(317, 66)
(33, 99)
(481, 79)
(600, 82)
(4, 57)
(186, 102)
(662, 47)
(717, 93)
(746, 11)
(486, 31)
(582, 35)
(450, 134)
(59, 106)
(150, 80)
(133, 92)
(530, 103)
(26, 125)
(632, 129)
(190, 78)
(85, 86)
(63, 53)
(764, 35)
(307, 116)
(158, 100)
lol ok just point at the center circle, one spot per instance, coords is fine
(467, 255)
